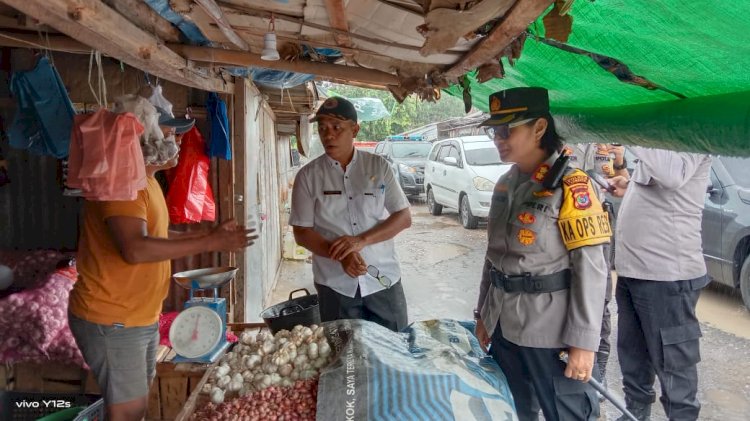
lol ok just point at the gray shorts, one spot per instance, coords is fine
(123, 359)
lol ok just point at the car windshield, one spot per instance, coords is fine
(411, 150)
(483, 156)
(739, 169)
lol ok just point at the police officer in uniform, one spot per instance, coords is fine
(544, 280)
(660, 274)
(597, 158)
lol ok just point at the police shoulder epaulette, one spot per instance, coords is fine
(582, 221)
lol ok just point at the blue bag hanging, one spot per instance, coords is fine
(219, 144)
(44, 118)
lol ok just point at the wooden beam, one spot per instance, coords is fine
(113, 35)
(249, 11)
(337, 18)
(520, 16)
(214, 12)
(146, 18)
(353, 83)
(241, 58)
(52, 42)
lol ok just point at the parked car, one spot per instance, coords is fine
(408, 161)
(726, 224)
(461, 173)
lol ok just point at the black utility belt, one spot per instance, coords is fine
(531, 284)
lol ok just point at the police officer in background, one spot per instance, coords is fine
(661, 272)
(544, 279)
(607, 161)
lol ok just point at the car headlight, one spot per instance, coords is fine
(406, 168)
(483, 184)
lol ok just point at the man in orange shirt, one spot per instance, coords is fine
(124, 270)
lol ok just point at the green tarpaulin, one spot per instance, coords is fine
(698, 51)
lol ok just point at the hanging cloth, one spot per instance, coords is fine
(190, 197)
(44, 117)
(220, 145)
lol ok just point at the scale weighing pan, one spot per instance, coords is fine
(205, 278)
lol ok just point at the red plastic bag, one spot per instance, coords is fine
(190, 198)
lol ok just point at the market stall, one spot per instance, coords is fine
(354, 370)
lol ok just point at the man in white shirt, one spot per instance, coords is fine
(661, 272)
(347, 207)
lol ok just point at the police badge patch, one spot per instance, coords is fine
(581, 197)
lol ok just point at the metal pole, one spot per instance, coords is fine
(604, 392)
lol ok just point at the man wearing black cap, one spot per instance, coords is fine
(347, 207)
(544, 278)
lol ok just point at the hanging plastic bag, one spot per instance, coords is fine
(157, 98)
(44, 119)
(220, 146)
(190, 198)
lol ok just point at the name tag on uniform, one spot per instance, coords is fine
(370, 194)
(331, 192)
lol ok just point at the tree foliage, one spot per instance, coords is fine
(410, 114)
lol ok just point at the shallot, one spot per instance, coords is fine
(298, 401)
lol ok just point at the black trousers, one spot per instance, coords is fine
(386, 308)
(658, 335)
(537, 381)
(602, 354)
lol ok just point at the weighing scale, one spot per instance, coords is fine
(199, 333)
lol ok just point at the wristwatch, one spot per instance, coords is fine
(623, 166)
(477, 315)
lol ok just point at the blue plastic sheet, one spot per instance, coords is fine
(219, 144)
(278, 79)
(44, 118)
(188, 29)
(434, 370)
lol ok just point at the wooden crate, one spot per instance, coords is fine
(175, 384)
(49, 377)
(172, 385)
(7, 378)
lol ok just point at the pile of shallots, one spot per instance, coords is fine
(262, 360)
(296, 403)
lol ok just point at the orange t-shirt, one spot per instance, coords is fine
(110, 290)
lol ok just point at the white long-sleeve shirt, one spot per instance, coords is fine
(659, 223)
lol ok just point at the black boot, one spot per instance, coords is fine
(640, 410)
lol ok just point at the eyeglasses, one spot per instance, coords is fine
(375, 273)
(503, 132)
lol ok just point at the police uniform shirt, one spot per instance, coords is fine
(659, 221)
(336, 203)
(525, 235)
(590, 156)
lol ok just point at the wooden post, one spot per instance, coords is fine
(239, 136)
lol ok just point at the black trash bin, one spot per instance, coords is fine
(297, 311)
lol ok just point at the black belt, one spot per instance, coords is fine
(531, 284)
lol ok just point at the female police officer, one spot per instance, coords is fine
(544, 279)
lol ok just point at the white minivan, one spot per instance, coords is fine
(461, 174)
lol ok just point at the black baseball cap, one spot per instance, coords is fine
(338, 108)
(517, 104)
(181, 125)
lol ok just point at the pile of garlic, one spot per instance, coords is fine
(261, 360)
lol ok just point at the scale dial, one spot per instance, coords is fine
(195, 332)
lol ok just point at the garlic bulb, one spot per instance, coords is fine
(217, 395)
